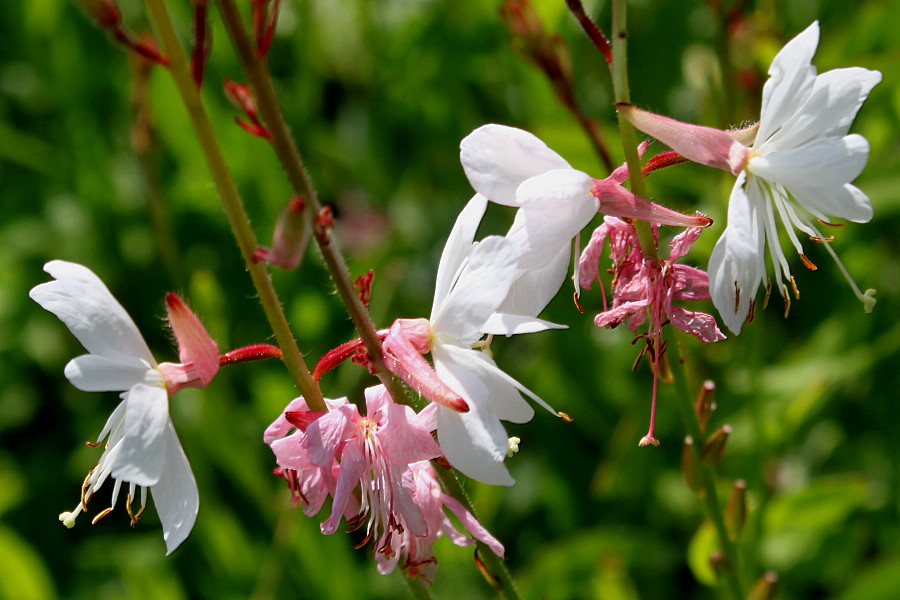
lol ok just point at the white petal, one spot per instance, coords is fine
(88, 309)
(497, 159)
(820, 163)
(555, 207)
(479, 290)
(93, 373)
(845, 202)
(736, 262)
(458, 246)
(175, 494)
(535, 288)
(790, 82)
(142, 458)
(506, 324)
(829, 110)
(474, 442)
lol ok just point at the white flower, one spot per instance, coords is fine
(142, 448)
(802, 150)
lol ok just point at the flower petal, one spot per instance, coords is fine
(506, 324)
(700, 325)
(94, 373)
(457, 248)
(175, 494)
(497, 159)
(88, 309)
(845, 202)
(823, 162)
(142, 458)
(472, 525)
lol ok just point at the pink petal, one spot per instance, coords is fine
(700, 325)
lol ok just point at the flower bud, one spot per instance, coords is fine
(736, 510)
(290, 238)
(704, 405)
(690, 468)
(764, 587)
(715, 445)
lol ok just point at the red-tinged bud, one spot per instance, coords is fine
(616, 201)
(764, 587)
(250, 353)
(704, 404)
(715, 446)
(736, 510)
(301, 419)
(661, 161)
(363, 285)
(336, 356)
(324, 226)
(241, 96)
(290, 238)
(255, 128)
(264, 24)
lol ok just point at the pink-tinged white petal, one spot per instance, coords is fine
(142, 458)
(704, 145)
(790, 83)
(325, 435)
(506, 324)
(458, 246)
(473, 526)
(195, 346)
(589, 261)
(681, 243)
(498, 159)
(690, 283)
(175, 494)
(88, 309)
(403, 439)
(700, 325)
(93, 373)
(480, 288)
(616, 201)
(353, 466)
(555, 207)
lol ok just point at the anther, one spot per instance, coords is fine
(795, 288)
(101, 514)
(92, 444)
(808, 263)
(822, 240)
(751, 312)
(768, 293)
(831, 224)
(577, 302)
(737, 298)
(787, 300)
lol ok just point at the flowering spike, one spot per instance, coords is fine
(249, 353)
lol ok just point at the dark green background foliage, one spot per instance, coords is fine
(379, 95)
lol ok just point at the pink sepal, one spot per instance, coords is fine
(704, 145)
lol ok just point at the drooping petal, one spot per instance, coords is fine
(497, 159)
(791, 78)
(479, 290)
(352, 467)
(472, 525)
(144, 443)
(555, 207)
(94, 373)
(700, 325)
(704, 145)
(175, 494)
(457, 248)
(474, 442)
(88, 309)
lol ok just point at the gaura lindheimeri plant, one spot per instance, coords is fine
(800, 149)
(142, 448)
(644, 290)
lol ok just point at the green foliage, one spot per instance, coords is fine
(379, 95)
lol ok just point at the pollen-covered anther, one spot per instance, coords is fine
(795, 288)
(768, 293)
(750, 312)
(564, 416)
(101, 514)
(808, 263)
(787, 300)
(822, 240)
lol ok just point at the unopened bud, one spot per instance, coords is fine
(715, 445)
(736, 510)
(240, 95)
(719, 563)
(764, 587)
(324, 226)
(290, 238)
(704, 405)
(690, 468)
(363, 286)
(250, 353)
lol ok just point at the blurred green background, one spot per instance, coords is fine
(379, 95)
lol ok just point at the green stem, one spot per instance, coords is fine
(732, 574)
(289, 156)
(234, 207)
(622, 93)
(418, 589)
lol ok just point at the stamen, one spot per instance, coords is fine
(787, 300)
(135, 516)
(86, 491)
(768, 293)
(101, 514)
(564, 416)
(796, 289)
(750, 313)
(90, 444)
(822, 240)
(577, 302)
(808, 263)
(831, 224)
(737, 298)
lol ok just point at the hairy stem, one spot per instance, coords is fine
(621, 93)
(231, 201)
(731, 574)
(289, 156)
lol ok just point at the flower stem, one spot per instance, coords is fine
(732, 574)
(234, 207)
(289, 156)
(621, 93)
